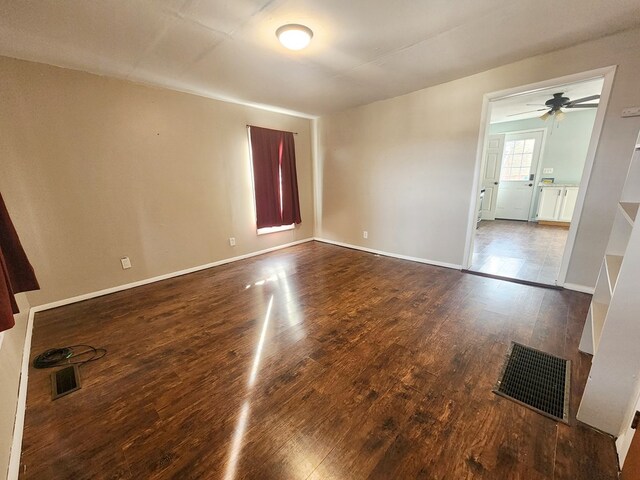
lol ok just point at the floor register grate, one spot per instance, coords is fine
(537, 380)
(65, 381)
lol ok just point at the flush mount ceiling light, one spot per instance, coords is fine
(294, 36)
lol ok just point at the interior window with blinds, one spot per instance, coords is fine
(273, 159)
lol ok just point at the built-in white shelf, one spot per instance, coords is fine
(598, 312)
(603, 292)
(612, 328)
(620, 234)
(630, 210)
(631, 191)
(613, 264)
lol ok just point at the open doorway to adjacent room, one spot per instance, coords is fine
(534, 156)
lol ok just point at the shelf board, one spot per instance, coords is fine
(598, 314)
(630, 210)
(586, 341)
(602, 292)
(613, 263)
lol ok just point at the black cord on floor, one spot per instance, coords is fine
(56, 357)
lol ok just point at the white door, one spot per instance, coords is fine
(569, 198)
(491, 175)
(517, 175)
(549, 203)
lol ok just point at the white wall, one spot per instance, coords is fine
(403, 168)
(95, 168)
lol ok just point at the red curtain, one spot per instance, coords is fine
(16, 272)
(275, 178)
(290, 201)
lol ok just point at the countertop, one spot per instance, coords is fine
(557, 185)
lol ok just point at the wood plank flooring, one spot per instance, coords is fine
(521, 250)
(314, 362)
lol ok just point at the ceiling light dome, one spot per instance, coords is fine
(294, 36)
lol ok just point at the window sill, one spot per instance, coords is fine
(266, 230)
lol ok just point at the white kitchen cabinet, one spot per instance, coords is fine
(549, 203)
(557, 202)
(568, 204)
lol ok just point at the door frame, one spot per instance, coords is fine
(543, 144)
(607, 73)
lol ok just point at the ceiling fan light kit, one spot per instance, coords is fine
(554, 106)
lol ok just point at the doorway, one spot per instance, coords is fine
(534, 159)
(509, 175)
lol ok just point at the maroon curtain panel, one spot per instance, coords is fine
(290, 200)
(275, 179)
(17, 275)
(265, 153)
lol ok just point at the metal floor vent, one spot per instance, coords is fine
(537, 380)
(65, 381)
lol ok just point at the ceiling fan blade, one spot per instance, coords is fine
(530, 111)
(583, 105)
(583, 99)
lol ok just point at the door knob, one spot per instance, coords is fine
(495, 183)
(531, 184)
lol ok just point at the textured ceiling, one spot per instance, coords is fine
(362, 50)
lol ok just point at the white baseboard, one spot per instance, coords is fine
(146, 281)
(389, 254)
(18, 428)
(578, 288)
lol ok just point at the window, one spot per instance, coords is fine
(275, 181)
(517, 159)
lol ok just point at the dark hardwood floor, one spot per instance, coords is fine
(314, 362)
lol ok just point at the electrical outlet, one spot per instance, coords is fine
(365, 234)
(547, 170)
(232, 241)
(126, 263)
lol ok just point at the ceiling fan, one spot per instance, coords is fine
(554, 105)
